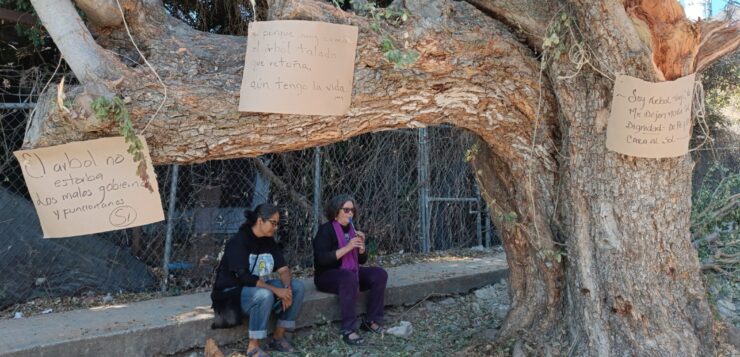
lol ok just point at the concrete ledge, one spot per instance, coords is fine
(170, 325)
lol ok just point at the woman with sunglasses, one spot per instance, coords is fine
(242, 285)
(338, 251)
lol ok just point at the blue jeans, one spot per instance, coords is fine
(257, 303)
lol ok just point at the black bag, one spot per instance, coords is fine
(227, 307)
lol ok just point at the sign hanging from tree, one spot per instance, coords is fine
(89, 187)
(298, 67)
(651, 120)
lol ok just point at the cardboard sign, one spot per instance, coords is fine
(650, 120)
(89, 187)
(298, 67)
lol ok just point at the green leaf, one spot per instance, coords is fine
(386, 45)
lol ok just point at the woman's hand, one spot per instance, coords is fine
(356, 242)
(285, 295)
(361, 236)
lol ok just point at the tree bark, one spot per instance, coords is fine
(633, 278)
(597, 242)
(104, 13)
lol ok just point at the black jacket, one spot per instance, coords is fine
(325, 247)
(245, 259)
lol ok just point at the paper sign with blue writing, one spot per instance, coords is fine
(651, 120)
(89, 187)
(298, 67)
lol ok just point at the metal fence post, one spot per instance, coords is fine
(478, 212)
(423, 178)
(261, 184)
(487, 211)
(316, 191)
(170, 222)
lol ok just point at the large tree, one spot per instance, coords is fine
(597, 242)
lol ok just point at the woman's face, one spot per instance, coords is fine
(267, 227)
(345, 213)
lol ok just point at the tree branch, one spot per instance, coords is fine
(103, 13)
(88, 61)
(529, 18)
(295, 196)
(718, 38)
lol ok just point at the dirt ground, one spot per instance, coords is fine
(441, 325)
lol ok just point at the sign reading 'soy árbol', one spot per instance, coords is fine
(89, 187)
(650, 120)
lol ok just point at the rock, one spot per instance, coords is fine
(47, 311)
(518, 350)
(404, 330)
(478, 248)
(727, 304)
(489, 334)
(733, 335)
(726, 309)
(18, 315)
(501, 311)
(107, 298)
(486, 294)
(212, 349)
(447, 302)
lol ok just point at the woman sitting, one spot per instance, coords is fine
(338, 251)
(241, 286)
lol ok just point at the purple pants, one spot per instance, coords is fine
(344, 283)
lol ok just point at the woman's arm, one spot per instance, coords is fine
(322, 248)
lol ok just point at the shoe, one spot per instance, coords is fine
(359, 341)
(257, 352)
(368, 326)
(281, 345)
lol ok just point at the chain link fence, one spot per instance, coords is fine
(414, 190)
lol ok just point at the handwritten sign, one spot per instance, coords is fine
(650, 119)
(89, 187)
(298, 67)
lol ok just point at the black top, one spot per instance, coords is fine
(325, 247)
(247, 258)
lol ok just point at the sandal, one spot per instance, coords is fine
(359, 341)
(281, 345)
(368, 326)
(257, 352)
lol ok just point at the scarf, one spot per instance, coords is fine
(350, 261)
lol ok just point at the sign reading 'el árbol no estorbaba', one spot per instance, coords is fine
(89, 187)
(298, 67)
(651, 120)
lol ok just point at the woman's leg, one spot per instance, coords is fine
(345, 284)
(257, 302)
(286, 319)
(375, 280)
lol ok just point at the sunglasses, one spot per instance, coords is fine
(348, 210)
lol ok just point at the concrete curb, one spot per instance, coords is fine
(174, 324)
